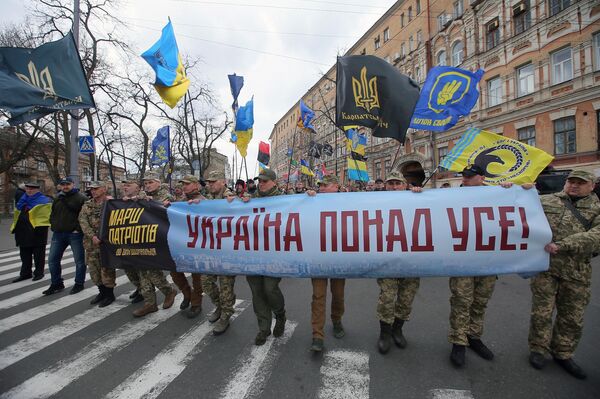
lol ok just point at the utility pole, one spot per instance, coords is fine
(74, 156)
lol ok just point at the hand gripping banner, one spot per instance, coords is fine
(453, 232)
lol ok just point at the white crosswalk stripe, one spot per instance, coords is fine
(53, 334)
(17, 266)
(16, 252)
(345, 374)
(254, 368)
(152, 378)
(10, 286)
(6, 259)
(450, 394)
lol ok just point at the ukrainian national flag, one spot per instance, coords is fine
(357, 170)
(503, 159)
(305, 168)
(244, 122)
(355, 142)
(171, 81)
(261, 167)
(38, 206)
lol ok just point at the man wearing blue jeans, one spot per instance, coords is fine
(64, 223)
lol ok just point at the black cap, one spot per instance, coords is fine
(250, 181)
(378, 180)
(65, 180)
(473, 170)
(240, 181)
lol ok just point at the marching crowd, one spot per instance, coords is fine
(573, 215)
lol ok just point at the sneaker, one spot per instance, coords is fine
(53, 289)
(537, 360)
(169, 299)
(338, 329)
(317, 345)
(221, 326)
(144, 310)
(572, 368)
(193, 312)
(215, 315)
(457, 356)
(261, 337)
(480, 348)
(279, 326)
(76, 288)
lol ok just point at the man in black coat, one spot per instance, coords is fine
(30, 227)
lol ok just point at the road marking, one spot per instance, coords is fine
(44, 310)
(18, 258)
(54, 378)
(15, 273)
(4, 255)
(344, 374)
(450, 394)
(152, 378)
(15, 286)
(25, 347)
(253, 370)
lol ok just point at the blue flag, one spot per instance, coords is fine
(306, 116)
(161, 147)
(448, 93)
(235, 83)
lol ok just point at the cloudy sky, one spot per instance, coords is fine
(281, 47)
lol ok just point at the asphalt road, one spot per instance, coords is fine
(62, 347)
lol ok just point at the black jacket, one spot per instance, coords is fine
(65, 211)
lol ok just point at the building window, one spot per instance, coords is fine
(525, 80)
(378, 170)
(492, 33)
(411, 44)
(402, 20)
(420, 38)
(442, 152)
(494, 91)
(597, 50)
(363, 52)
(386, 34)
(418, 7)
(526, 135)
(41, 166)
(377, 43)
(388, 166)
(564, 136)
(409, 14)
(441, 20)
(441, 58)
(557, 6)
(457, 6)
(418, 74)
(521, 16)
(457, 54)
(562, 66)
(402, 50)
(86, 174)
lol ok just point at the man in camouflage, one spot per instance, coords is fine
(329, 184)
(89, 219)
(396, 295)
(574, 217)
(267, 298)
(191, 295)
(152, 279)
(222, 295)
(130, 190)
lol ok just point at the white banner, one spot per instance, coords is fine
(467, 231)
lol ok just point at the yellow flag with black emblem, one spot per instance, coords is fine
(503, 159)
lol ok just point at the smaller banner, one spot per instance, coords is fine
(306, 116)
(244, 123)
(161, 148)
(235, 84)
(264, 153)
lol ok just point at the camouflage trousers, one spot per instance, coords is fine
(570, 299)
(319, 302)
(99, 275)
(134, 276)
(396, 296)
(468, 300)
(222, 295)
(149, 281)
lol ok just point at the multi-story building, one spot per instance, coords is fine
(542, 67)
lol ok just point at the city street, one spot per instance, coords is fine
(60, 346)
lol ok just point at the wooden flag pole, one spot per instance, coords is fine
(287, 184)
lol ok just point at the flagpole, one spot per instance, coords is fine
(74, 156)
(430, 176)
(287, 184)
(246, 167)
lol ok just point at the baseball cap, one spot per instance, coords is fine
(66, 180)
(582, 174)
(473, 170)
(215, 175)
(329, 179)
(96, 184)
(267, 174)
(32, 184)
(189, 179)
(395, 175)
(152, 176)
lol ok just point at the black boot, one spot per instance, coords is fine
(457, 356)
(109, 297)
(385, 337)
(537, 360)
(480, 348)
(572, 368)
(100, 295)
(397, 333)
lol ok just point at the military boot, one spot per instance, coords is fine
(144, 310)
(193, 312)
(100, 296)
(385, 337)
(279, 325)
(109, 297)
(169, 299)
(215, 315)
(457, 356)
(572, 368)
(221, 325)
(261, 337)
(480, 348)
(397, 335)
(537, 360)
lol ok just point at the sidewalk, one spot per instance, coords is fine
(7, 240)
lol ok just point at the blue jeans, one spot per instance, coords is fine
(60, 242)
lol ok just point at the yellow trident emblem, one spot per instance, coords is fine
(42, 79)
(365, 92)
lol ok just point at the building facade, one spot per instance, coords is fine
(541, 83)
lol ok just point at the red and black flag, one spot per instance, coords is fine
(264, 153)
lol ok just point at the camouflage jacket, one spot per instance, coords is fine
(89, 219)
(575, 243)
(162, 194)
(222, 195)
(271, 193)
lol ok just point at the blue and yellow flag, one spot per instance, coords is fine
(357, 170)
(261, 166)
(161, 148)
(502, 159)
(448, 93)
(355, 142)
(171, 81)
(38, 208)
(305, 168)
(244, 122)
(306, 116)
